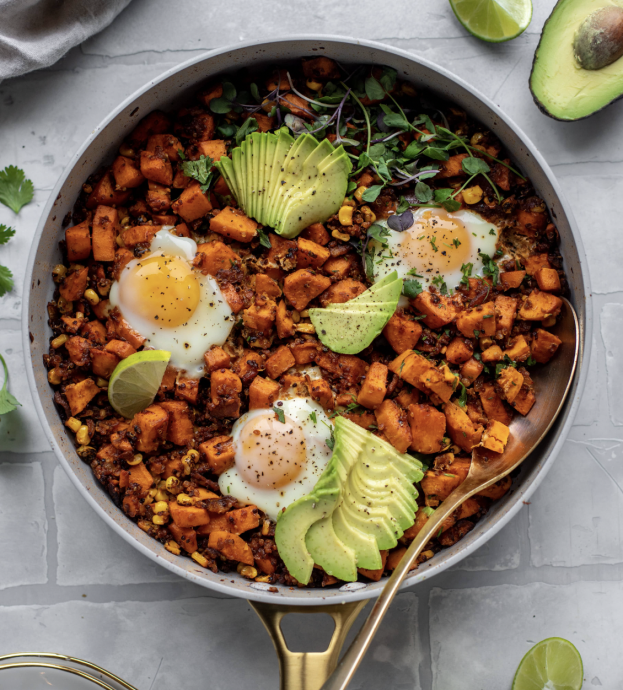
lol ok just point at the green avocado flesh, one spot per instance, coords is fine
(349, 327)
(362, 504)
(560, 86)
(287, 184)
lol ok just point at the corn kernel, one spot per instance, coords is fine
(74, 424)
(200, 559)
(148, 500)
(161, 507)
(265, 527)
(345, 215)
(152, 493)
(341, 236)
(408, 90)
(264, 578)
(159, 520)
(359, 193)
(59, 272)
(296, 317)
(476, 138)
(125, 221)
(162, 496)
(349, 202)
(92, 296)
(64, 306)
(184, 500)
(136, 460)
(368, 214)
(549, 322)
(162, 485)
(305, 328)
(428, 554)
(144, 525)
(103, 287)
(172, 483)
(472, 195)
(82, 436)
(60, 341)
(54, 376)
(120, 242)
(101, 383)
(314, 85)
(248, 571)
(126, 150)
(485, 341)
(193, 455)
(173, 547)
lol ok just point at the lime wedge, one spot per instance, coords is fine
(135, 381)
(553, 664)
(493, 21)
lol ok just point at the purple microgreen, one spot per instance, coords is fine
(309, 100)
(401, 222)
(380, 122)
(413, 177)
(387, 138)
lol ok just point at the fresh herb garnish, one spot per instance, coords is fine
(6, 277)
(462, 399)
(530, 362)
(264, 238)
(200, 170)
(250, 125)
(456, 242)
(411, 288)
(280, 414)
(372, 193)
(466, 270)
(15, 190)
(440, 284)
(313, 417)
(8, 402)
(490, 268)
(401, 222)
(432, 241)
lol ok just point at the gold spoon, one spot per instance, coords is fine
(551, 384)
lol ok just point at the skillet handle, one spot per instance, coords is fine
(306, 670)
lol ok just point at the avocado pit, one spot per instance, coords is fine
(599, 40)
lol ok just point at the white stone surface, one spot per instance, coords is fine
(554, 570)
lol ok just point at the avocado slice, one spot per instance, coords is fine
(265, 169)
(326, 547)
(284, 143)
(577, 69)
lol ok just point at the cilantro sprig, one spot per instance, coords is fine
(8, 402)
(15, 190)
(200, 170)
(6, 277)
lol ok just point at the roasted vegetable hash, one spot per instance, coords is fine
(451, 364)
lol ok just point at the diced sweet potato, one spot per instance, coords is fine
(150, 427)
(509, 383)
(320, 392)
(441, 381)
(188, 516)
(232, 222)
(401, 332)
(439, 310)
(79, 395)
(168, 143)
(497, 490)
(231, 546)
(216, 358)
(73, 324)
(533, 263)
(104, 193)
(74, 284)
(453, 167)
(460, 427)
(477, 321)
(261, 315)
(511, 280)
(192, 203)
(302, 286)
(407, 396)
(119, 348)
(124, 330)
(180, 428)
(95, 331)
(266, 286)
(284, 322)
(495, 436)
(305, 351)
(459, 351)
(168, 381)
(297, 106)
(375, 575)
(524, 401)
(263, 393)
(339, 267)
(214, 149)
(320, 68)
(248, 365)
(78, 349)
(139, 234)
(348, 367)
(173, 467)
(232, 296)
(186, 537)
(102, 309)
(187, 389)
(279, 362)
(428, 428)
(437, 485)
(410, 366)
(530, 223)
(126, 173)
(156, 122)
(310, 254)
(225, 388)
(342, 291)
(212, 92)
(374, 387)
(493, 405)
(158, 197)
(544, 345)
(78, 241)
(213, 257)
(234, 521)
(316, 233)
(518, 349)
(103, 363)
(392, 421)
(123, 257)
(450, 536)
(505, 309)
(219, 453)
(492, 354)
(105, 231)
(548, 279)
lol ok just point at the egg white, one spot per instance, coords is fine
(318, 453)
(210, 323)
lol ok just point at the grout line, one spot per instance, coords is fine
(52, 529)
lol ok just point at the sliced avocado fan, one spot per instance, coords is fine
(362, 503)
(349, 327)
(287, 184)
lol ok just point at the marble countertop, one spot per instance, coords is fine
(69, 584)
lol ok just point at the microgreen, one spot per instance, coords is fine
(8, 402)
(249, 125)
(456, 242)
(15, 190)
(401, 222)
(475, 166)
(372, 193)
(280, 414)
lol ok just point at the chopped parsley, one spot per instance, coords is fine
(280, 414)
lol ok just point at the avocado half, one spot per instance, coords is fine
(561, 88)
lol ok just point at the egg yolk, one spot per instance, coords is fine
(271, 453)
(164, 288)
(435, 243)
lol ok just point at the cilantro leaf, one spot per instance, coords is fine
(5, 234)
(250, 125)
(475, 166)
(280, 414)
(15, 190)
(440, 283)
(313, 417)
(8, 402)
(466, 270)
(411, 288)
(6, 280)
(490, 268)
(374, 91)
(461, 401)
(200, 170)
(264, 238)
(372, 193)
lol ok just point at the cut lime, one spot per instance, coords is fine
(135, 381)
(553, 664)
(493, 20)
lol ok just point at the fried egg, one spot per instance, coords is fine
(171, 304)
(437, 244)
(277, 462)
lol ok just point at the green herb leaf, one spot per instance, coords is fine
(388, 78)
(264, 238)
(530, 362)
(461, 401)
(423, 192)
(379, 233)
(411, 288)
(456, 242)
(200, 170)
(377, 151)
(280, 414)
(451, 205)
(313, 417)
(440, 284)
(8, 402)
(15, 190)
(435, 153)
(374, 91)
(466, 270)
(255, 92)
(221, 106)
(372, 193)
(6, 234)
(396, 121)
(413, 150)
(474, 166)
(250, 125)
(6, 280)
(490, 268)
(403, 205)
(352, 186)
(227, 130)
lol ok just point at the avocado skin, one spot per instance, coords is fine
(541, 106)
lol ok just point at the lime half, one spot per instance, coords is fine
(493, 20)
(553, 664)
(135, 381)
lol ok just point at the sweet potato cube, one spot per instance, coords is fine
(511, 280)
(248, 365)
(441, 381)
(186, 537)
(480, 319)
(78, 349)
(156, 122)
(225, 388)
(119, 348)
(302, 286)
(180, 429)
(232, 222)
(392, 421)
(530, 223)
(310, 254)
(219, 453)
(401, 332)
(493, 405)
(173, 467)
(279, 362)
(509, 383)
(105, 231)
(168, 381)
(74, 284)
(533, 263)
(188, 516)
(80, 394)
(216, 358)
(297, 106)
(150, 426)
(139, 234)
(492, 354)
(284, 322)
(342, 291)
(214, 149)
(320, 68)
(104, 193)
(459, 351)
(375, 575)
(410, 366)
(339, 267)
(505, 309)
(460, 428)
(231, 546)
(103, 363)
(349, 368)
(124, 330)
(261, 315)
(548, 279)
(497, 490)
(428, 428)
(524, 401)
(234, 521)
(126, 173)
(158, 197)
(263, 393)
(187, 389)
(374, 387)
(544, 345)
(170, 144)
(95, 331)
(316, 233)
(439, 310)
(495, 436)
(266, 286)
(78, 241)
(192, 203)
(519, 349)
(320, 392)
(139, 474)
(305, 351)
(471, 370)
(232, 297)
(438, 485)
(213, 257)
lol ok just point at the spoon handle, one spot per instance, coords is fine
(345, 670)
